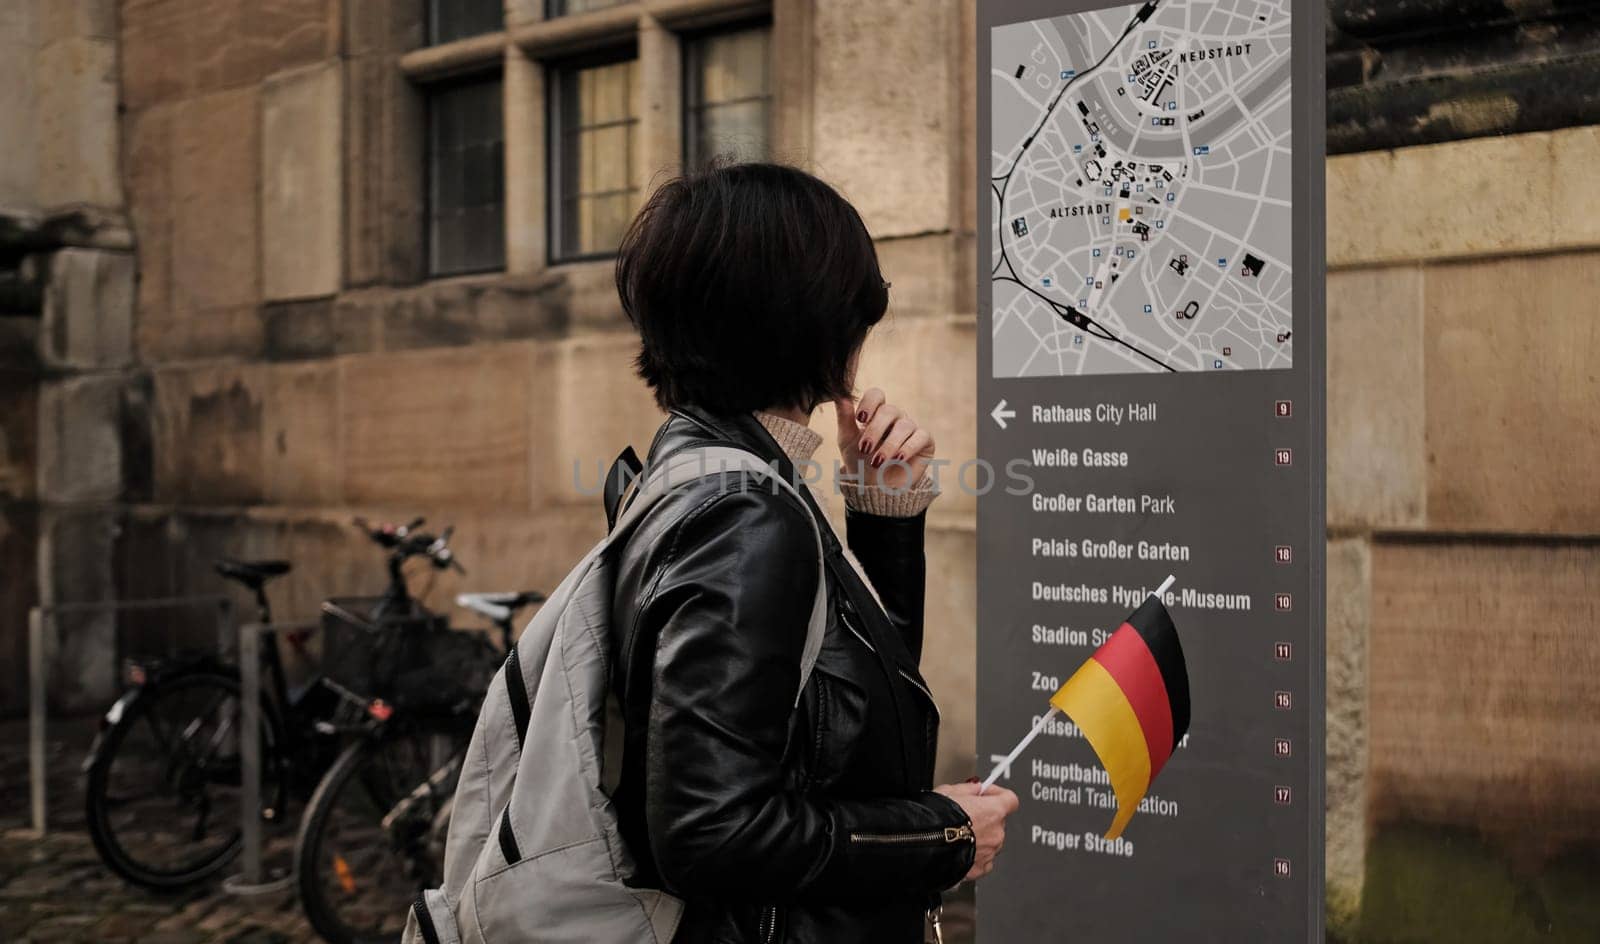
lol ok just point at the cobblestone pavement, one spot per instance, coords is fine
(55, 888)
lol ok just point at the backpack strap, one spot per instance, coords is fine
(619, 481)
(696, 462)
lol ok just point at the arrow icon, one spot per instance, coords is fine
(1005, 761)
(1001, 414)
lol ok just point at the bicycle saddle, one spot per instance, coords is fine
(498, 606)
(252, 574)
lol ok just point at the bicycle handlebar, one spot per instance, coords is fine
(407, 542)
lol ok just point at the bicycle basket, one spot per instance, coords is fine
(413, 660)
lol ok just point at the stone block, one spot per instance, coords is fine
(236, 331)
(437, 426)
(154, 50)
(1483, 709)
(302, 203)
(1441, 201)
(382, 28)
(215, 170)
(19, 114)
(301, 434)
(950, 647)
(77, 19)
(586, 408)
(1349, 619)
(1377, 468)
(455, 312)
(526, 136)
(208, 434)
(88, 309)
(239, 42)
(925, 275)
(77, 134)
(95, 438)
(322, 327)
(384, 179)
(660, 90)
(1576, 151)
(1512, 431)
(886, 111)
(148, 169)
(76, 550)
(293, 32)
(590, 293)
(19, 23)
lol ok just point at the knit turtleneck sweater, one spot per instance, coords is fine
(800, 443)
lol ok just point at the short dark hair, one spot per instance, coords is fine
(752, 286)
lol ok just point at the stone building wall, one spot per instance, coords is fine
(1464, 519)
(287, 366)
(298, 369)
(66, 307)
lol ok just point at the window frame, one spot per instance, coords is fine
(553, 8)
(430, 26)
(686, 78)
(556, 73)
(429, 239)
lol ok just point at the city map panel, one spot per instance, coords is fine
(1141, 185)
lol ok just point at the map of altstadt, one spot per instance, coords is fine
(1141, 190)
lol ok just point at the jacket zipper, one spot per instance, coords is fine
(767, 930)
(961, 833)
(903, 673)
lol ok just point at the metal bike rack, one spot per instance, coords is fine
(250, 880)
(42, 638)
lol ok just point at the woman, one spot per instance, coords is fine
(753, 288)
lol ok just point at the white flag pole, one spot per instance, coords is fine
(1044, 719)
(1021, 746)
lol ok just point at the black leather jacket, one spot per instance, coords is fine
(776, 823)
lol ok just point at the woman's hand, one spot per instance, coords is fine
(882, 441)
(988, 812)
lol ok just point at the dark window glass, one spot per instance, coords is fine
(728, 108)
(449, 20)
(466, 179)
(596, 117)
(555, 8)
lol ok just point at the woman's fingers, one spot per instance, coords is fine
(844, 410)
(883, 418)
(868, 405)
(893, 440)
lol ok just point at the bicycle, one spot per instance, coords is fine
(373, 833)
(163, 778)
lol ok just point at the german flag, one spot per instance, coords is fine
(1131, 701)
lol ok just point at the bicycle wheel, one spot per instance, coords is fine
(162, 799)
(372, 836)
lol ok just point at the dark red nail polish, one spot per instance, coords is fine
(865, 445)
(862, 416)
(877, 461)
